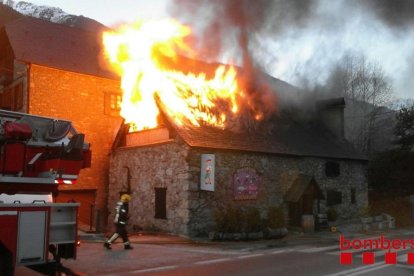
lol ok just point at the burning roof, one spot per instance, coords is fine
(150, 57)
(209, 105)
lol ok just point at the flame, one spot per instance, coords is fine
(139, 52)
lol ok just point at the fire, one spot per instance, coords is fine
(140, 54)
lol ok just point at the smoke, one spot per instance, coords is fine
(398, 14)
(224, 33)
(302, 41)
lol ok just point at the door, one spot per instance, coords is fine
(295, 213)
(32, 233)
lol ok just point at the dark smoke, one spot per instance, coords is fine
(395, 13)
(301, 40)
(229, 28)
(225, 26)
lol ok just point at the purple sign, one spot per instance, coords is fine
(246, 184)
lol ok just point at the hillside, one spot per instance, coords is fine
(12, 10)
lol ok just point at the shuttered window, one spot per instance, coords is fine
(353, 195)
(161, 203)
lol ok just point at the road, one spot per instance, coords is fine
(314, 258)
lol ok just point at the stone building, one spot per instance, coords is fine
(178, 176)
(54, 70)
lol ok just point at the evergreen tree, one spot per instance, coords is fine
(393, 170)
(404, 129)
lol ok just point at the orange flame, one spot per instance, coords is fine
(138, 53)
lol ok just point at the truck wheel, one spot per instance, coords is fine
(6, 262)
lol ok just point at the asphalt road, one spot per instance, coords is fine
(306, 256)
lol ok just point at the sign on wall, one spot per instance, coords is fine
(207, 172)
(246, 184)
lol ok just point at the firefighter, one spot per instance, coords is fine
(121, 220)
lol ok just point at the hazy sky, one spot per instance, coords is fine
(293, 38)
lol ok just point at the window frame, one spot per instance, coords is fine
(12, 97)
(110, 99)
(353, 196)
(160, 204)
(332, 169)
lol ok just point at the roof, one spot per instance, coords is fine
(8, 14)
(58, 46)
(293, 130)
(282, 135)
(300, 186)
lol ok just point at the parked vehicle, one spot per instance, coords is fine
(37, 154)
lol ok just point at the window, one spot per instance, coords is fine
(353, 195)
(113, 103)
(333, 197)
(332, 169)
(161, 203)
(11, 97)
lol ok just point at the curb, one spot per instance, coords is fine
(292, 239)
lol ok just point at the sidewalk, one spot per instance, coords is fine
(320, 238)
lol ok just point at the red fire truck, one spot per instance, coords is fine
(37, 154)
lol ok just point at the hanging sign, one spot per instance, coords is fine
(207, 172)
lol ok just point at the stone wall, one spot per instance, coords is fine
(190, 211)
(277, 174)
(162, 165)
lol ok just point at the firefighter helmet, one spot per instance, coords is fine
(125, 198)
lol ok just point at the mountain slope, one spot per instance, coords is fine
(13, 9)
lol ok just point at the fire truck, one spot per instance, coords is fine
(37, 154)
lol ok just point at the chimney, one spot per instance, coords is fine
(330, 113)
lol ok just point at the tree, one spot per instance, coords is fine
(366, 90)
(393, 169)
(404, 129)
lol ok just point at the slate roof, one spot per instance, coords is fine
(57, 46)
(292, 131)
(8, 14)
(287, 137)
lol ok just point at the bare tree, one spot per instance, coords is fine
(366, 90)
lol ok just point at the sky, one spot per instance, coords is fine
(290, 39)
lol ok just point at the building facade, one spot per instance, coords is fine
(166, 172)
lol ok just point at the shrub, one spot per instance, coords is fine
(396, 205)
(228, 220)
(252, 220)
(365, 212)
(275, 217)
